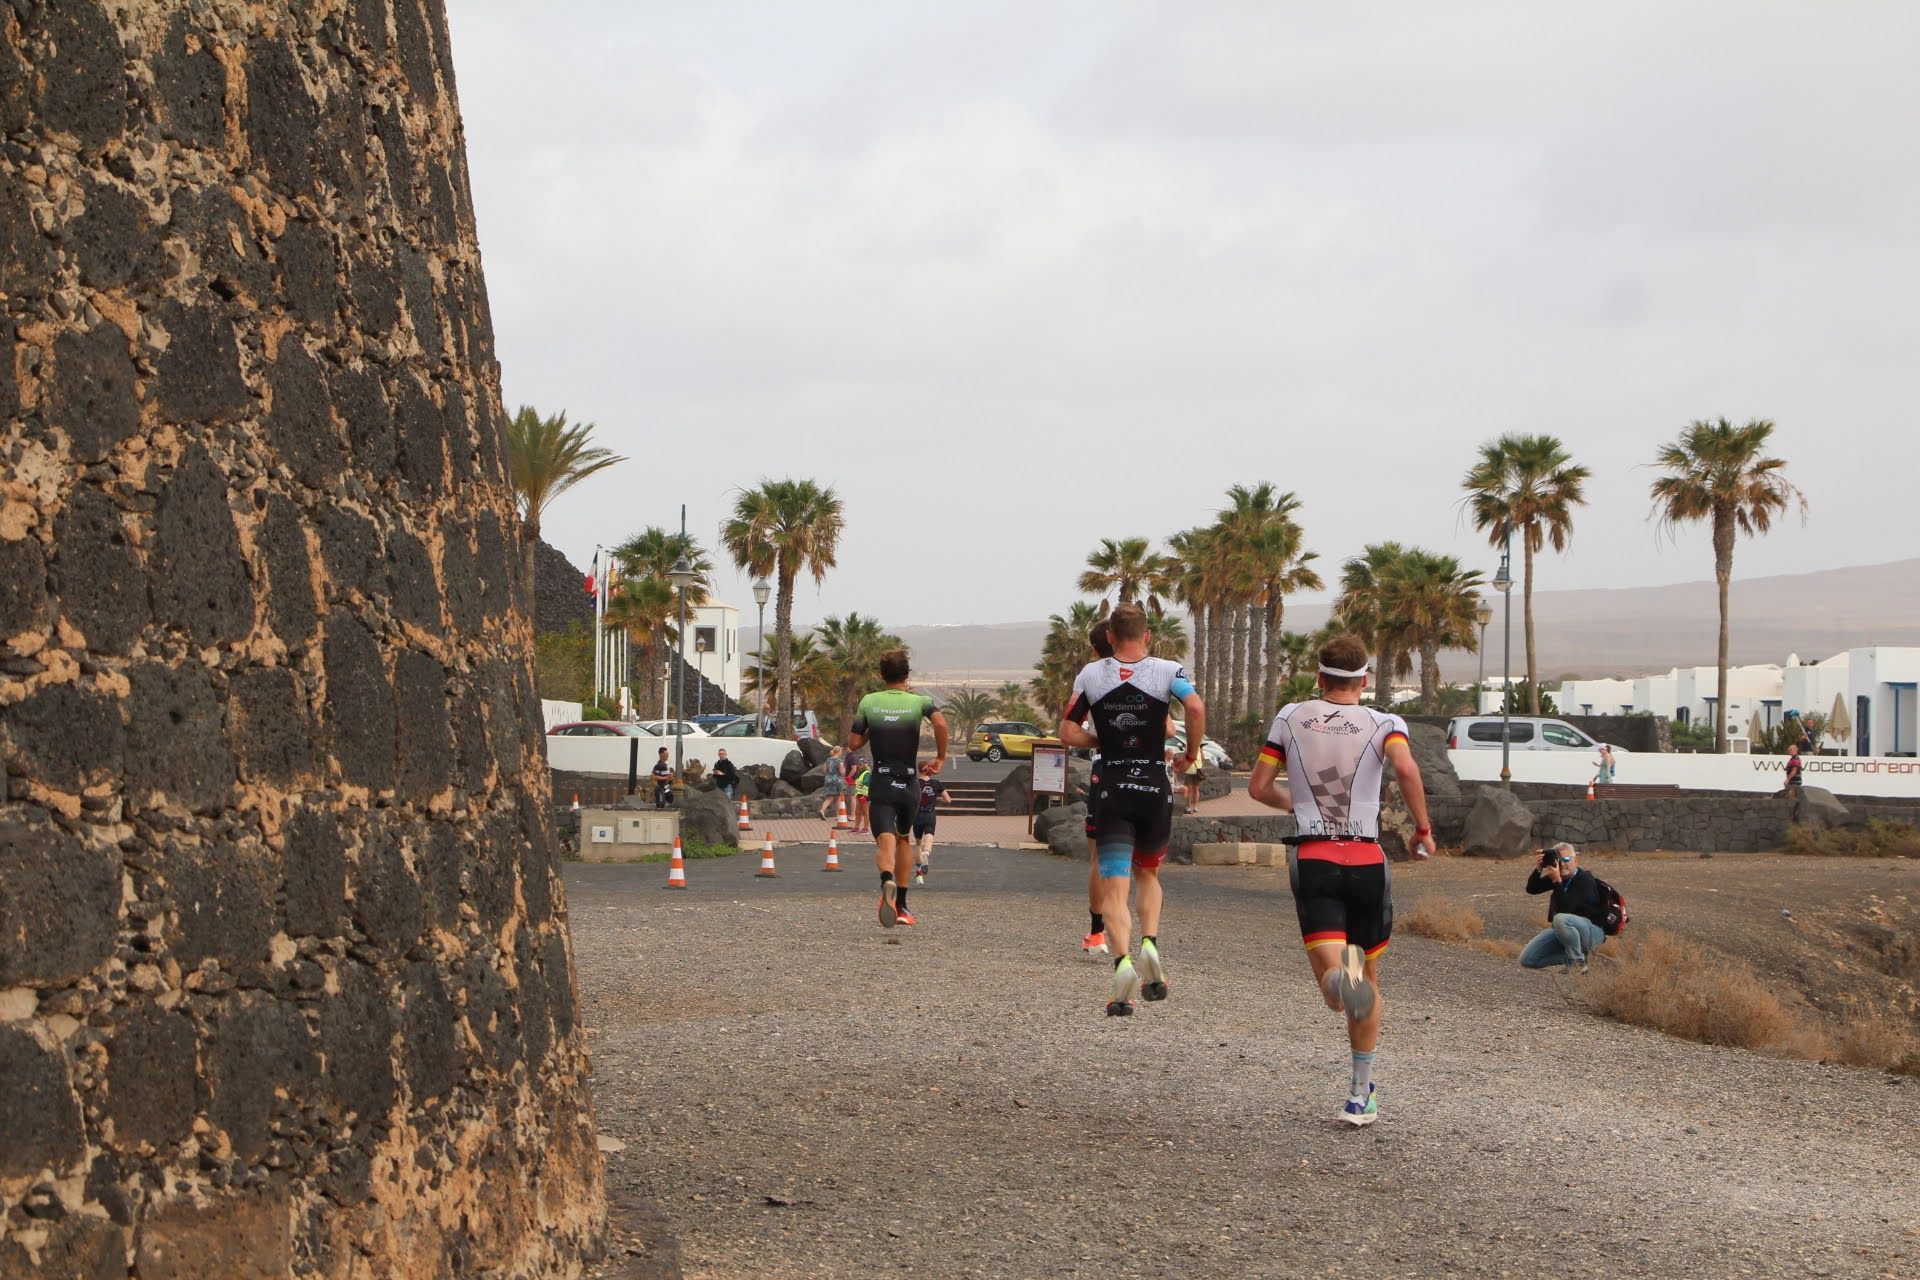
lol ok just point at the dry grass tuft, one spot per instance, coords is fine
(1445, 920)
(1667, 984)
(1879, 1040)
(1878, 839)
(1505, 948)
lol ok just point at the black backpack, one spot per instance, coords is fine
(1613, 909)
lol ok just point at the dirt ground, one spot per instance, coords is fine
(1836, 935)
(802, 1094)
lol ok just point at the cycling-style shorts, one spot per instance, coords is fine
(923, 825)
(1343, 894)
(1133, 805)
(1093, 801)
(893, 801)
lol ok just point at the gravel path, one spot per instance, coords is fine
(805, 1095)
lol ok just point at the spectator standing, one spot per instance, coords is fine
(833, 784)
(724, 775)
(662, 781)
(1794, 766)
(1605, 765)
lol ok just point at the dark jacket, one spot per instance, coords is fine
(1579, 896)
(724, 773)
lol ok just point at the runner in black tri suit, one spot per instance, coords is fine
(1127, 697)
(1336, 753)
(1101, 638)
(890, 720)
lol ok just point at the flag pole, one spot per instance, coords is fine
(599, 647)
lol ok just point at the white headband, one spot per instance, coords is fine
(1339, 674)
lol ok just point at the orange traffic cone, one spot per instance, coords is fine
(840, 822)
(1589, 789)
(833, 854)
(766, 857)
(677, 872)
(576, 802)
(746, 823)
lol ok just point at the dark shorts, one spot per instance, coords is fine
(923, 824)
(1134, 808)
(1343, 894)
(1093, 803)
(893, 801)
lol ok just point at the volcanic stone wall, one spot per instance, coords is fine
(285, 982)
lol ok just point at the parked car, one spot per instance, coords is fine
(1525, 733)
(601, 729)
(996, 740)
(665, 729)
(713, 721)
(1212, 754)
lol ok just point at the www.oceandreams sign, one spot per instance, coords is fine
(1842, 775)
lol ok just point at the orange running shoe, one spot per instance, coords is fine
(904, 918)
(1095, 942)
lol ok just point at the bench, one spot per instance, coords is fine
(1629, 791)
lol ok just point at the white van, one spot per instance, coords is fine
(1524, 733)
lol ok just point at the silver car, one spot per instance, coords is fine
(1525, 733)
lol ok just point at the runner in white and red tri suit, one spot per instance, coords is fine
(1127, 697)
(1336, 753)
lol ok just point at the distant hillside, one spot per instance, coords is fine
(1625, 632)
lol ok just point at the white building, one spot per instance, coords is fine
(713, 646)
(1877, 687)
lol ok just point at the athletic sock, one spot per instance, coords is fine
(886, 877)
(1362, 1073)
(900, 897)
(1119, 959)
(1099, 922)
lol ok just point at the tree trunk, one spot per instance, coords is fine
(1533, 676)
(783, 650)
(1237, 663)
(1270, 688)
(1723, 577)
(208, 754)
(1256, 647)
(1430, 678)
(1200, 648)
(1217, 646)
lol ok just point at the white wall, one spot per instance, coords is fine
(1844, 776)
(559, 712)
(1875, 672)
(1595, 697)
(722, 665)
(609, 755)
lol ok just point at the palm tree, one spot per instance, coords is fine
(1433, 599)
(1187, 583)
(1064, 651)
(1719, 473)
(967, 708)
(1283, 565)
(646, 610)
(784, 528)
(652, 552)
(545, 458)
(1527, 484)
(852, 647)
(1365, 607)
(1126, 566)
(1169, 637)
(810, 678)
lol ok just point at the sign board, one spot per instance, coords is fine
(600, 835)
(1049, 769)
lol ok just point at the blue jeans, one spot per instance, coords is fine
(1569, 941)
(727, 789)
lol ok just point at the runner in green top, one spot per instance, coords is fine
(890, 719)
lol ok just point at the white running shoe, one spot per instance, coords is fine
(1356, 993)
(1153, 976)
(1126, 979)
(1360, 1112)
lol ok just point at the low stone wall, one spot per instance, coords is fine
(1718, 824)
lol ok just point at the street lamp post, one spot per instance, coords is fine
(1503, 583)
(1482, 614)
(682, 576)
(761, 590)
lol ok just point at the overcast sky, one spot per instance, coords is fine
(1013, 277)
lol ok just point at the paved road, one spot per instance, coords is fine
(805, 1095)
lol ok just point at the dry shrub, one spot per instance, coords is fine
(1879, 1040)
(1505, 948)
(1664, 983)
(1445, 920)
(1879, 838)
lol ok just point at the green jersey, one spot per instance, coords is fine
(890, 719)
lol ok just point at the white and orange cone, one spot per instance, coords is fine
(746, 823)
(833, 854)
(677, 871)
(840, 822)
(576, 802)
(1589, 790)
(766, 857)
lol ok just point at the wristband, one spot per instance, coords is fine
(1422, 831)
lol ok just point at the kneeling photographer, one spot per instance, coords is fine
(1576, 913)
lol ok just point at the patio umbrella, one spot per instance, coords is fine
(1839, 727)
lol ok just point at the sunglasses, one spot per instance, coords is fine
(1565, 858)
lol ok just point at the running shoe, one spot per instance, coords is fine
(1153, 984)
(1356, 993)
(1095, 942)
(905, 919)
(1360, 1112)
(920, 874)
(888, 915)
(1125, 980)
